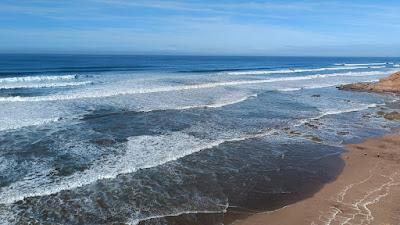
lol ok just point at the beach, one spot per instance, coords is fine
(367, 191)
(183, 140)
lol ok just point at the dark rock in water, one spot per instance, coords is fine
(343, 133)
(311, 125)
(392, 115)
(381, 113)
(315, 96)
(366, 115)
(314, 138)
(293, 132)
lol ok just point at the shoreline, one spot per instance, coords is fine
(367, 191)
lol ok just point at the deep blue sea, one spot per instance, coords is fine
(176, 139)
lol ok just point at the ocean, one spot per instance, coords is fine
(202, 140)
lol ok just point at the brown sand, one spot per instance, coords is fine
(367, 191)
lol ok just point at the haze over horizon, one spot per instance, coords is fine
(281, 28)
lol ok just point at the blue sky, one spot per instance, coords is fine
(208, 27)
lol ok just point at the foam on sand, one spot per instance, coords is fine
(136, 221)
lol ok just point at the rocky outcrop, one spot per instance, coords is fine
(390, 115)
(388, 84)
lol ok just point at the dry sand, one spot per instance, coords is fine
(366, 192)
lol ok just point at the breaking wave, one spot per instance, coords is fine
(42, 85)
(37, 78)
(140, 152)
(266, 72)
(361, 64)
(127, 91)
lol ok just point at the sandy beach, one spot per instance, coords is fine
(366, 192)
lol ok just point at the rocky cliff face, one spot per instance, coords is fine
(388, 84)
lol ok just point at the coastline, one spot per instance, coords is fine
(367, 191)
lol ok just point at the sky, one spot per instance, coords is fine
(207, 27)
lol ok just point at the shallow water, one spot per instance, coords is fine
(175, 140)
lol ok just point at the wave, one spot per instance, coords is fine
(17, 124)
(289, 89)
(361, 64)
(141, 152)
(355, 109)
(112, 93)
(319, 86)
(9, 126)
(37, 78)
(306, 87)
(43, 85)
(285, 71)
(322, 114)
(217, 104)
(137, 221)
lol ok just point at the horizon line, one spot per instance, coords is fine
(191, 54)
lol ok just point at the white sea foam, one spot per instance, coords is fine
(26, 122)
(361, 64)
(101, 93)
(285, 71)
(361, 107)
(136, 221)
(37, 78)
(218, 104)
(328, 112)
(289, 89)
(305, 87)
(140, 152)
(6, 216)
(42, 85)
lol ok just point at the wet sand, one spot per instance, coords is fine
(366, 192)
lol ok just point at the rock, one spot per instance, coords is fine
(388, 84)
(343, 133)
(311, 125)
(381, 113)
(293, 132)
(392, 116)
(315, 96)
(314, 138)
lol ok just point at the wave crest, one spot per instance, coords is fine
(37, 78)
